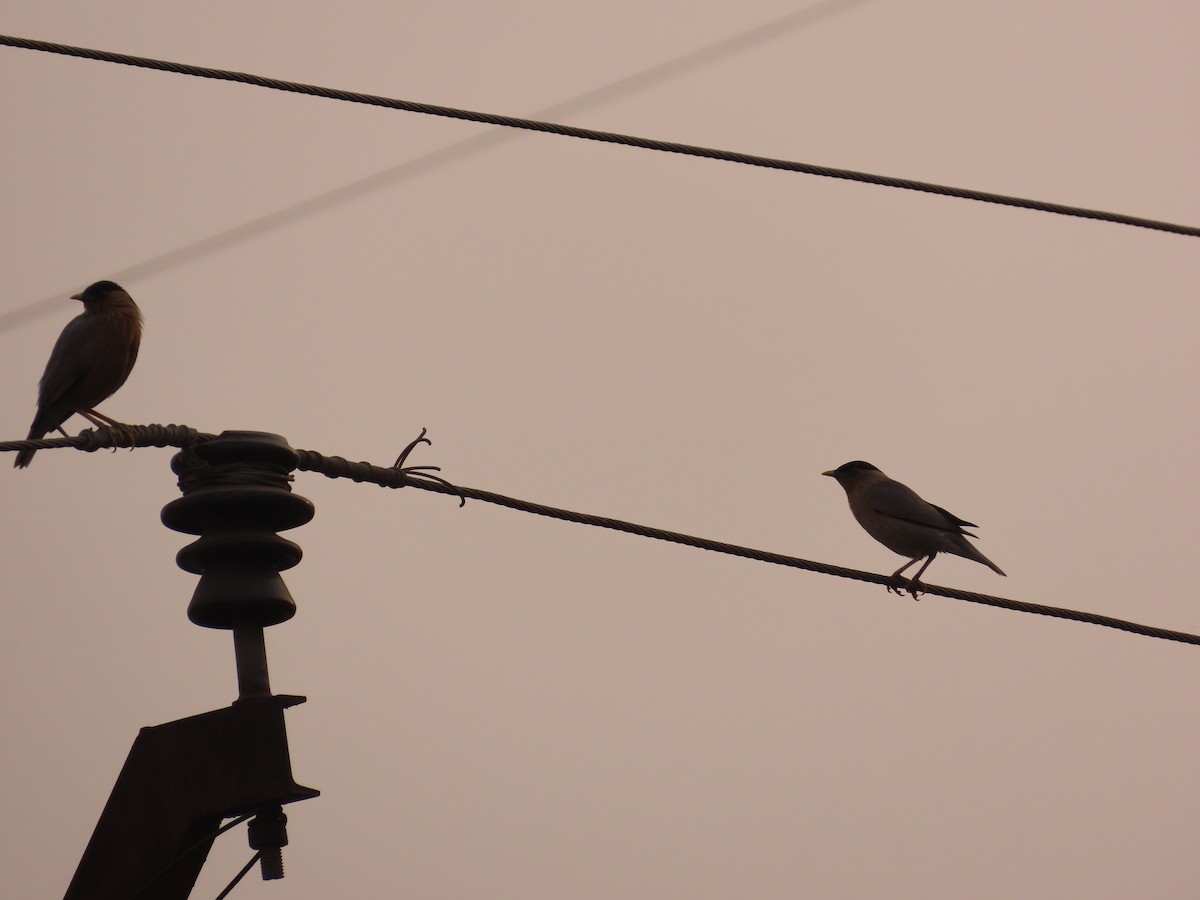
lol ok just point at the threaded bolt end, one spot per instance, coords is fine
(271, 861)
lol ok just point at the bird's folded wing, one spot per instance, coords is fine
(961, 523)
(898, 501)
(68, 362)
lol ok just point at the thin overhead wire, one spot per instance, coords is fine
(202, 842)
(593, 135)
(336, 467)
(626, 86)
(239, 876)
(398, 476)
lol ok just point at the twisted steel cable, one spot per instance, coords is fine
(593, 135)
(398, 476)
(336, 467)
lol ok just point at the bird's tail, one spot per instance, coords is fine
(970, 551)
(25, 457)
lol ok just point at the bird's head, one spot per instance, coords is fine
(853, 472)
(98, 293)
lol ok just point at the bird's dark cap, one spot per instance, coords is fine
(851, 468)
(96, 291)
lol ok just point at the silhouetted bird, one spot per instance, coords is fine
(91, 359)
(895, 516)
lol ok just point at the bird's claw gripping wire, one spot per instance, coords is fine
(898, 584)
(108, 437)
(120, 434)
(424, 471)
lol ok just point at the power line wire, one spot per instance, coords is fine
(625, 86)
(239, 876)
(182, 436)
(593, 135)
(204, 841)
(336, 467)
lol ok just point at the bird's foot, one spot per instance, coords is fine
(119, 434)
(122, 435)
(898, 584)
(424, 472)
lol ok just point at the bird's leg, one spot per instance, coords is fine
(62, 431)
(100, 419)
(899, 582)
(121, 431)
(916, 580)
(91, 417)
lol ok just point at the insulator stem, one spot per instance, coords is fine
(250, 656)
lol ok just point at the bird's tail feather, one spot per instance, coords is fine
(25, 457)
(970, 551)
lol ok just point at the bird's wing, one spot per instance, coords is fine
(133, 352)
(68, 361)
(898, 501)
(961, 523)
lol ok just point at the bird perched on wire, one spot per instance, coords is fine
(895, 516)
(91, 359)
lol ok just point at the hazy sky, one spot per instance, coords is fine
(502, 706)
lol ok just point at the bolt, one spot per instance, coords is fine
(268, 835)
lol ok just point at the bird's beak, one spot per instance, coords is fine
(829, 473)
(78, 296)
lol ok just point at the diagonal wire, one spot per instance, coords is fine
(207, 839)
(594, 135)
(395, 477)
(336, 467)
(626, 86)
(239, 876)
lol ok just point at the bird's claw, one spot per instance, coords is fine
(125, 434)
(120, 435)
(110, 435)
(898, 584)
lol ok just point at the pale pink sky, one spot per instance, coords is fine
(502, 706)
